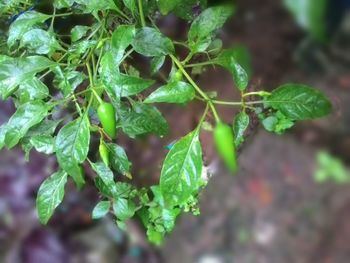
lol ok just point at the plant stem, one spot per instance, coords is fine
(142, 16)
(196, 87)
(206, 63)
(204, 115)
(53, 18)
(257, 93)
(126, 55)
(235, 103)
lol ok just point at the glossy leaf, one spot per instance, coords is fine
(46, 127)
(78, 32)
(43, 143)
(152, 43)
(119, 159)
(23, 24)
(72, 146)
(208, 21)
(32, 89)
(14, 71)
(299, 102)
(143, 119)
(182, 169)
(174, 92)
(68, 81)
(97, 5)
(240, 77)
(240, 125)
(124, 209)
(101, 209)
(122, 85)
(40, 42)
(122, 37)
(241, 56)
(26, 116)
(50, 195)
(106, 176)
(156, 64)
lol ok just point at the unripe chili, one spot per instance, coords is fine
(225, 145)
(106, 114)
(104, 153)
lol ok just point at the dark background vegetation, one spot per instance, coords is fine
(272, 211)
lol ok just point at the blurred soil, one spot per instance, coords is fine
(271, 212)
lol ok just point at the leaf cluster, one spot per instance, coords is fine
(57, 83)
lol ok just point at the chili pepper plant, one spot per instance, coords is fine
(71, 87)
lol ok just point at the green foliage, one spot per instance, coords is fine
(240, 125)
(311, 16)
(299, 102)
(58, 85)
(182, 169)
(330, 168)
(50, 195)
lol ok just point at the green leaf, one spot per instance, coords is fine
(240, 77)
(124, 208)
(78, 32)
(152, 43)
(32, 89)
(166, 6)
(299, 102)
(106, 176)
(43, 143)
(156, 64)
(122, 37)
(46, 127)
(93, 6)
(67, 81)
(50, 195)
(277, 122)
(122, 85)
(310, 15)
(79, 48)
(26, 116)
(23, 24)
(240, 125)
(182, 169)
(119, 159)
(330, 168)
(174, 92)
(182, 9)
(59, 4)
(155, 236)
(101, 209)
(143, 119)
(3, 130)
(40, 42)
(240, 54)
(14, 71)
(72, 146)
(131, 5)
(208, 21)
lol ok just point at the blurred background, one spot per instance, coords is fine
(290, 201)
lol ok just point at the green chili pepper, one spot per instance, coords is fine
(225, 145)
(178, 76)
(106, 114)
(104, 153)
